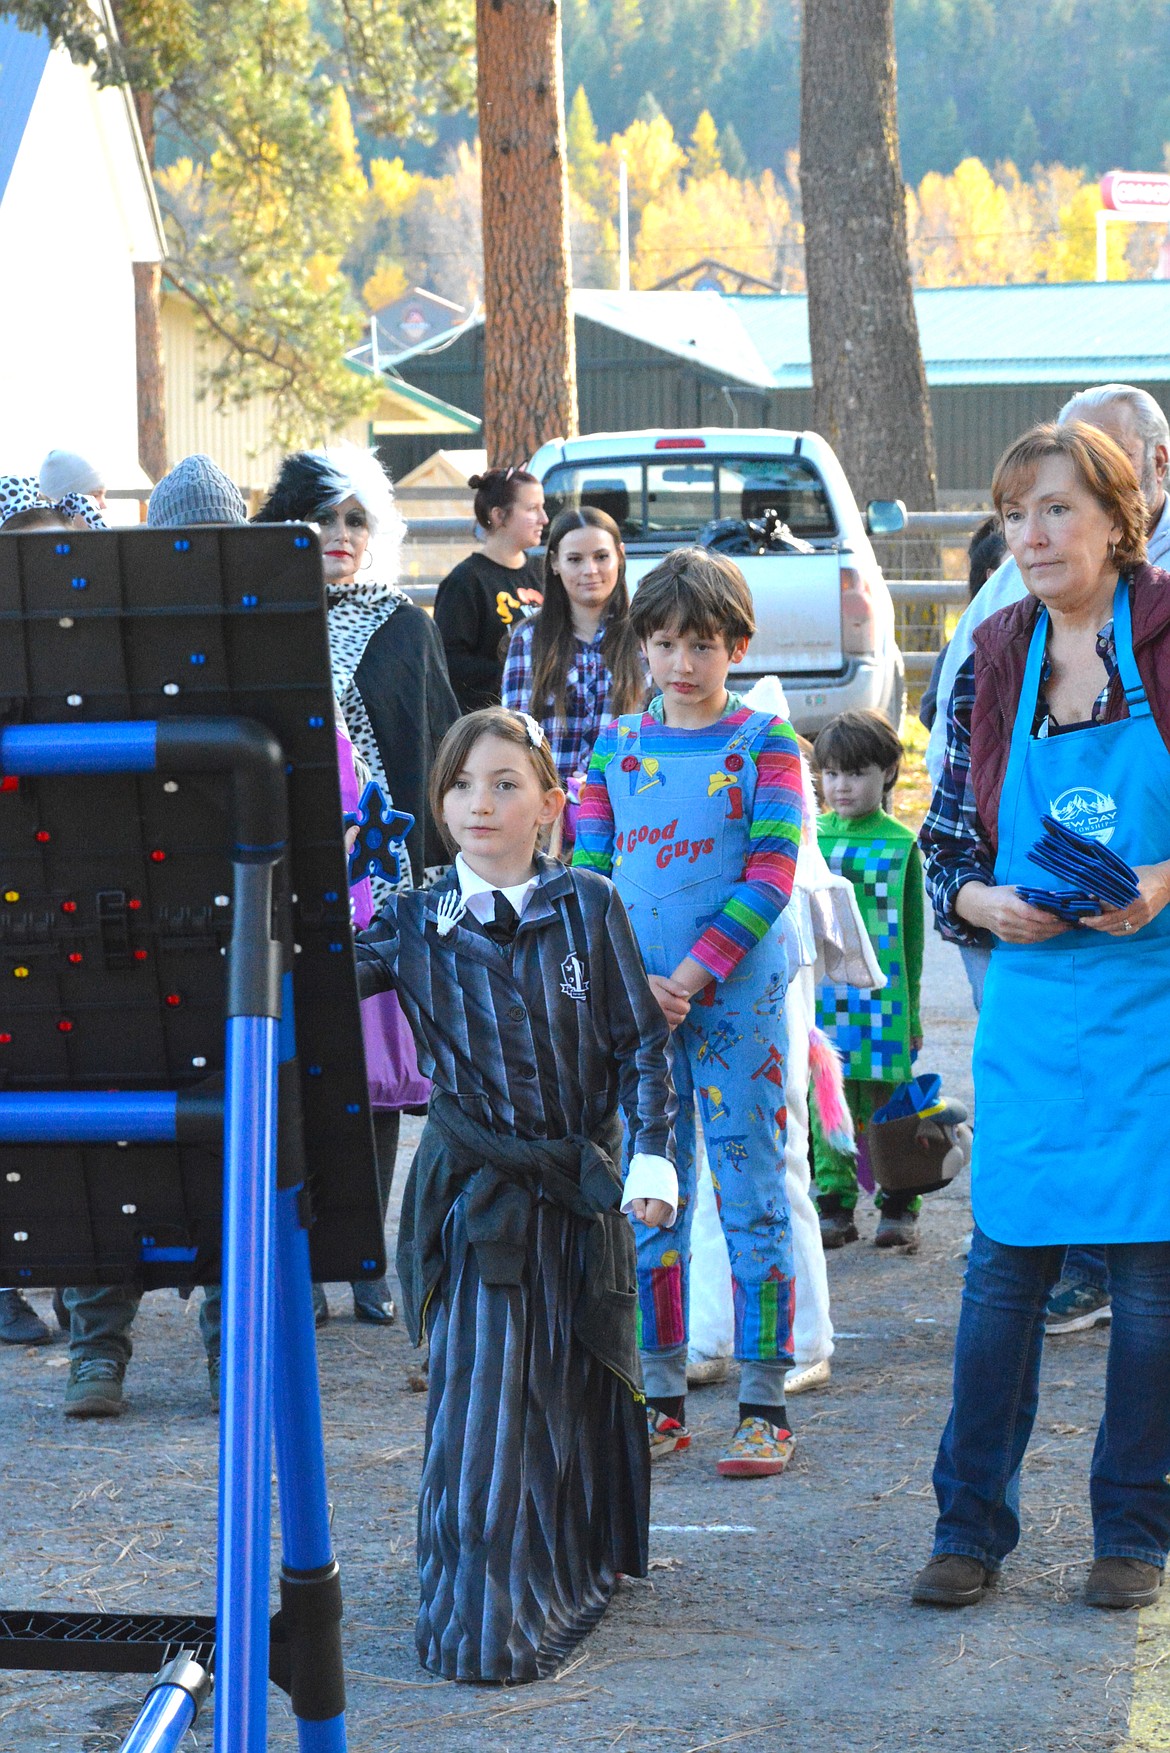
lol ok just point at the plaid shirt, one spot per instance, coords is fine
(955, 845)
(587, 708)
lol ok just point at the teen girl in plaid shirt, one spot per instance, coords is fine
(577, 665)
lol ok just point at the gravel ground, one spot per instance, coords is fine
(776, 1612)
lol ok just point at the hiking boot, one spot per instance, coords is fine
(704, 1371)
(757, 1449)
(807, 1376)
(1122, 1582)
(320, 1305)
(897, 1229)
(1075, 1306)
(94, 1388)
(19, 1322)
(951, 1580)
(666, 1434)
(837, 1228)
(372, 1302)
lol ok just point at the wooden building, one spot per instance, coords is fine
(237, 435)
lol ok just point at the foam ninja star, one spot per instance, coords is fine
(378, 850)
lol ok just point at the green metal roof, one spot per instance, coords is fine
(1112, 332)
(452, 419)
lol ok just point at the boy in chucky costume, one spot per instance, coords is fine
(694, 809)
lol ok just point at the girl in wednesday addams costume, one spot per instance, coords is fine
(535, 1021)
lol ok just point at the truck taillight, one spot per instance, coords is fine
(858, 632)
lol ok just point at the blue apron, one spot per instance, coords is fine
(1072, 1053)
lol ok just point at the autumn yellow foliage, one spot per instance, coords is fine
(392, 186)
(739, 223)
(387, 283)
(654, 160)
(981, 227)
(703, 159)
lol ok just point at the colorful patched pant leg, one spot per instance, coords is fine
(728, 1064)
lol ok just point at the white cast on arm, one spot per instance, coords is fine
(651, 1177)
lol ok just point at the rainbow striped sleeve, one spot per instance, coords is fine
(594, 844)
(762, 893)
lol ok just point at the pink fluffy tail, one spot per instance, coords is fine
(828, 1091)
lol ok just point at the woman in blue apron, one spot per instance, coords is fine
(1066, 714)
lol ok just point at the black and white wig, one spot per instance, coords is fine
(310, 482)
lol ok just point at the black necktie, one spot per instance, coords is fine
(502, 926)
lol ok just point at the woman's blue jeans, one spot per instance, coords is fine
(997, 1386)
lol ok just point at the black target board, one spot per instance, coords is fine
(116, 898)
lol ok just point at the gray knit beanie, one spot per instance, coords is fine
(64, 471)
(195, 491)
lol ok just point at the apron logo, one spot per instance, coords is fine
(1086, 811)
(573, 981)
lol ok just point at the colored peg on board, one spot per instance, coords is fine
(381, 830)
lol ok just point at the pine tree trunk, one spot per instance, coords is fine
(148, 349)
(869, 387)
(530, 363)
(152, 425)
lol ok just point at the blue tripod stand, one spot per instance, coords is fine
(269, 1369)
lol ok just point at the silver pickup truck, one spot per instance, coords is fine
(825, 619)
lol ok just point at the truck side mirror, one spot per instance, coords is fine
(885, 517)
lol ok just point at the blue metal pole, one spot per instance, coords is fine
(300, 1449)
(300, 1454)
(163, 1721)
(326, 1737)
(310, 1587)
(87, 1117)
(245, 1438)
(172, 1705)
(117, 747)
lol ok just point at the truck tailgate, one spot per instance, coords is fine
(797, 600)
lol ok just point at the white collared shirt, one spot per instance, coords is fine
(649, 1177)
(478, 892)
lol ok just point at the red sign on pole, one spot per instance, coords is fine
(1136, 194)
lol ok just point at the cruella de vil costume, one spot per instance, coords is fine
(514, 1254)
(389, 671)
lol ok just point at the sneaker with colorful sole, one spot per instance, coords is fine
(666, 1434)
(757, 1449)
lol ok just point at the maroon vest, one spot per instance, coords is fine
(1001, 652)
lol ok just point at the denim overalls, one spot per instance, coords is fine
(682, 818)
